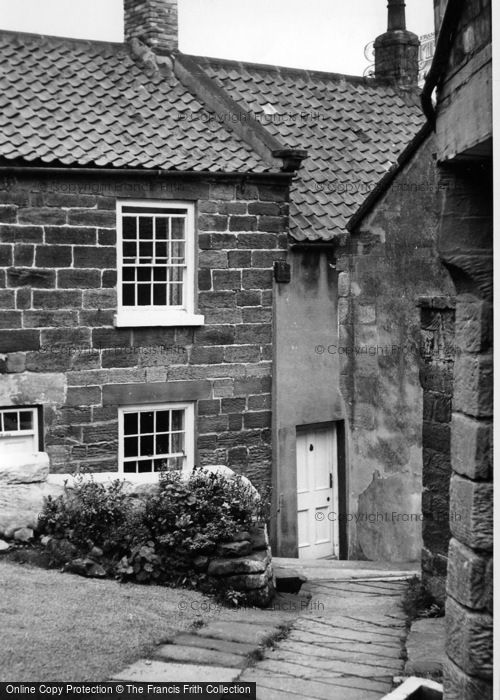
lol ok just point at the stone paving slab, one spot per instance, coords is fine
(186, 654)
(425, 647)
(193, 640)
(244, 632)
(365, 655)
(146, 671)
(344, 688)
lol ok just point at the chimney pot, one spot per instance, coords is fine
(154, 23)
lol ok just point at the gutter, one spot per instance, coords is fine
(136, 172)
(444, 43)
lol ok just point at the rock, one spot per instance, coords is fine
(247, 582)
(4, 546)
(96, 553)
(44, 540)
(24, 469)
(228, 473)
(85, 567)
(252, 564)
(259, 538)
(24, 534)
(234, 549)
(21, 505)
(241, 536)
(288, 580)
(260, 597)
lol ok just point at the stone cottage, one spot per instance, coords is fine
(173, 246)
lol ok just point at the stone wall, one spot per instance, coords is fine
(59, 348)
(391, 261)
(466, 246)
(438, 354)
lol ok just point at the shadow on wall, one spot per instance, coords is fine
(389, 520)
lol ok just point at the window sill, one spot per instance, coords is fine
(135, 318)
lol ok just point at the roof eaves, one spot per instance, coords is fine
(383, 185)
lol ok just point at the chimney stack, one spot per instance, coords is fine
(154, 23)
(396, 51)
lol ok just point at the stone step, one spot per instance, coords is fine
(188, 654)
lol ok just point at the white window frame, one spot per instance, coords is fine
(139, 316)
(33, 432)
(189, 441)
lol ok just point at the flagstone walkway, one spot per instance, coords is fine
(345, 642)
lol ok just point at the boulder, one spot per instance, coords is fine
(24, 469)
(259, 538)
(21, 505)
(85, 567)
(4, 546)
(24, 534)
(247, 582)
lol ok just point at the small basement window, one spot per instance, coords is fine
(156, 437)
(18, 431)
(156, 264)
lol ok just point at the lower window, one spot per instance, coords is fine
(18, 431)
(156, 437)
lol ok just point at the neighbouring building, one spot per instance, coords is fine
(176, 271)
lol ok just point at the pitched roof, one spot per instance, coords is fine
(74, 102)
(353, 129)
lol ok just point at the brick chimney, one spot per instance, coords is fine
(396, 51)
(154, 23)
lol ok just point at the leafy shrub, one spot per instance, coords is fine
(156, 538)
(90, 514)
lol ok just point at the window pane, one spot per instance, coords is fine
(143, 295)
(147, 446)
(177, 252)
(145, 250)
(130, 467)
(177, 228)
(129, 227)
(162, 444)
(177, 442)
(160, 294)
(130, 423)
(147, 422)
(129, 250)
(26, 420)
(160, 274)
(129, 274)
(145, 465)
(176, 295)
(162, 421)
(177, 420)
(145, 227)
(128, 291)
(131, 444)
(161, 229)
(144, 274)
(161, 250)
(10, 421)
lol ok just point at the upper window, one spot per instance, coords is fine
(18, 430)
(156, 437)
(156, 264)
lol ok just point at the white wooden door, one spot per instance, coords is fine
(317, 493)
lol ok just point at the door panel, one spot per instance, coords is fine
(316, 493)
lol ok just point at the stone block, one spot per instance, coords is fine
(247, 582)
(21, 505)
(471, 442)
(471, 504)
(234, 549)
(473, 388)
(460, 686)
(467, 576)
(474, 326)
(469, 640)
(24, 469)
(251, 564)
